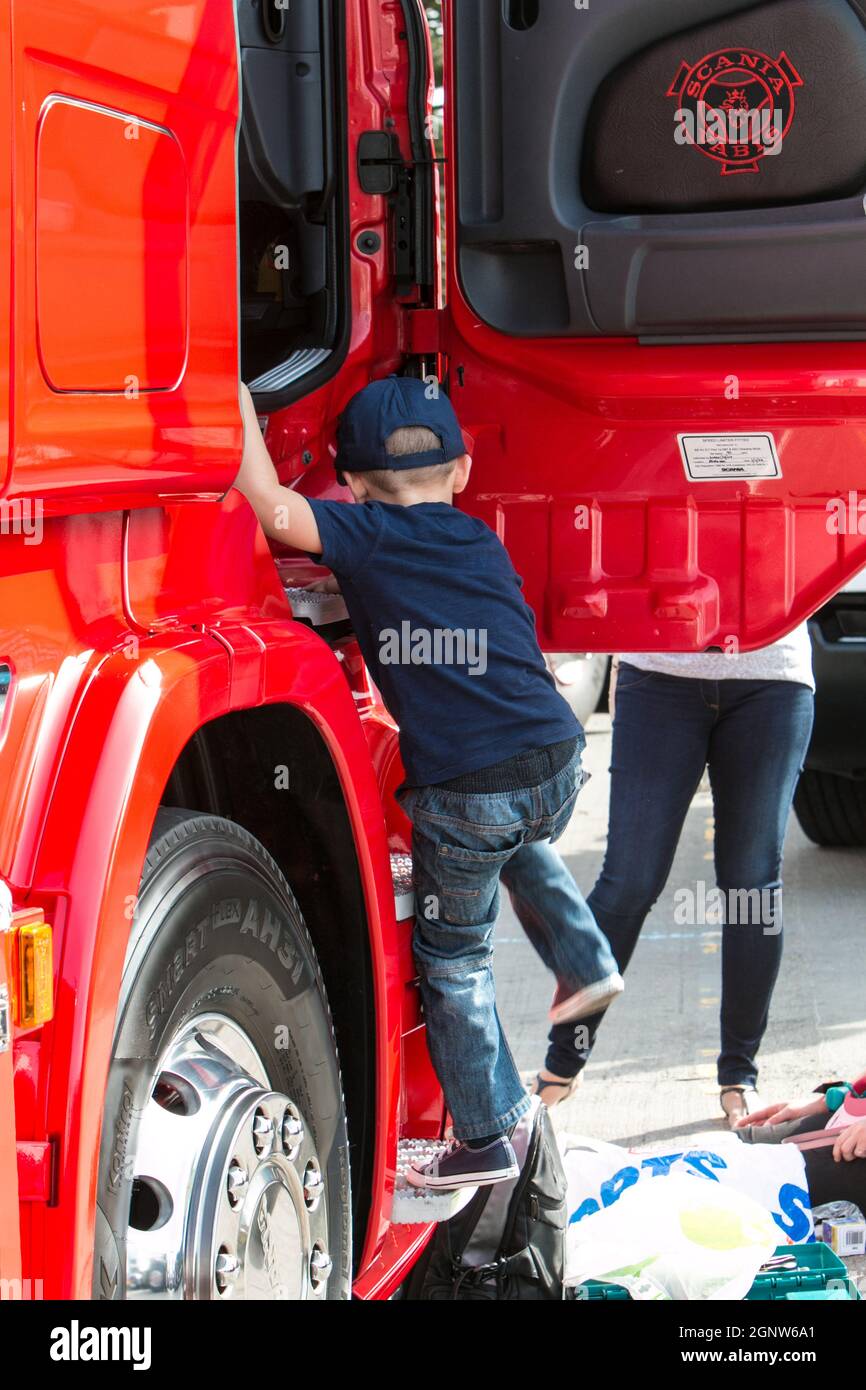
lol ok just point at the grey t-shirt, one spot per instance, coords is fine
(789, 659)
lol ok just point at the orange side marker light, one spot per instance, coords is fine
(34, 988)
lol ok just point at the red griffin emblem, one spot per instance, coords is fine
(742, 100)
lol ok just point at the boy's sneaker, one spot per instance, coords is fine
(460, 1166)
(591, 1000)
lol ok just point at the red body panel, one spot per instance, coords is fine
(124, 145)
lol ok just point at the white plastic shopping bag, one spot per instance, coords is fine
(602, 1176)
(774, 1175)
(676, 1238)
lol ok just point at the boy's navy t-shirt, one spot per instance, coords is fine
(448, 638)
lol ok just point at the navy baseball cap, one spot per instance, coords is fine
(396, 403)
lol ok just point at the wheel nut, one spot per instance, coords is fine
(293, 1133)
(236, 1182)
(227, 1270)
(313, 1186)
(263, 1132)
(321, 1265)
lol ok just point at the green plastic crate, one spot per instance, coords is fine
(817, 1267)
(593, 1291)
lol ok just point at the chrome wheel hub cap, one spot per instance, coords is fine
(228, 1197)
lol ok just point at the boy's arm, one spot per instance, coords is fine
(283, 515)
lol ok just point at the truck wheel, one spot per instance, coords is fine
(831, 809)
(223, 1168)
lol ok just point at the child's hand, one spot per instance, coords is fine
(283, 515)
(324, 586)
(247, 405)
(257, 476)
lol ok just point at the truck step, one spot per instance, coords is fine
(404, 893)
(415, 1206)
(317, 610)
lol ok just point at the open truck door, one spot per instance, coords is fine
(124, 244)
(656, 315)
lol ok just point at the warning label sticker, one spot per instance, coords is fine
(709, 457)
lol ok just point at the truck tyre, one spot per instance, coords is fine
(223, 1167)
(831, 809)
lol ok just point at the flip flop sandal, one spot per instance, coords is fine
(568, 1089)
(744, 1100)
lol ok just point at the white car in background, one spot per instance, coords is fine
(583, 678)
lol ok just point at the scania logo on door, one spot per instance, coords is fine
(736, 106)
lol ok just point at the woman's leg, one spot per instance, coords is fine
(756, 753)
(660, 742)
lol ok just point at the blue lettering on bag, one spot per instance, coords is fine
(793, 1219)
(795, 1204)
(586, 1208)
(696, 1158)
(660, 1163)
(612, 1190)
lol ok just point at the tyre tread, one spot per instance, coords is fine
(172, 830)
(179, 820)
(831, 809)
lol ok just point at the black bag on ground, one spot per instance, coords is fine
(508, 1242)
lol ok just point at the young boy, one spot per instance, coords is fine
(491, 751)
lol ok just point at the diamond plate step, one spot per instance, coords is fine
(412, 1205)
(404, 894)
(319, 610)
(416, 1205)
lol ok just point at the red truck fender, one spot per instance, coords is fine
(128, 732)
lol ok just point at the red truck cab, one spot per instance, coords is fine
(664, 381)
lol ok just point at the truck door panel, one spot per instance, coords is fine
(125, 252)
(657, 340)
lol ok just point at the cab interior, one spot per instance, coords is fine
(288, 178)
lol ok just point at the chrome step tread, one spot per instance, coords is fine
(320, 610)
(415, 1206)
(404, 893)
(301, 361)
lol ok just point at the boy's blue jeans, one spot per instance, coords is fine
(462, 845)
